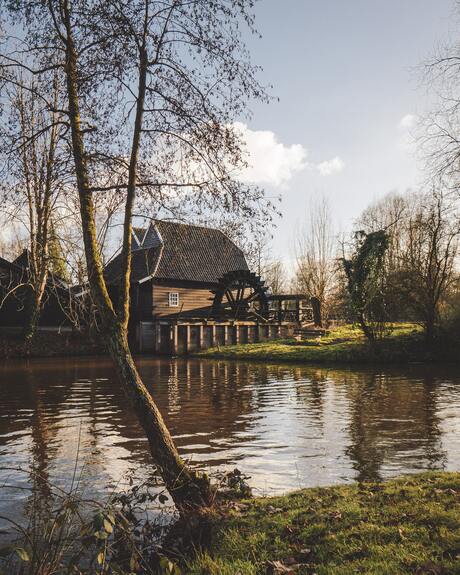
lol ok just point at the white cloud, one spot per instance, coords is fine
(270, 161)
(407, 135)
(329, 167)
(408, 121)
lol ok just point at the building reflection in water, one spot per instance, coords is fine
(285, 426)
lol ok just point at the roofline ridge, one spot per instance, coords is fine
(160, 237)
(152, 275)
(202, 226)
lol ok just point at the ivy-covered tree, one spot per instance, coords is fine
(365, 273)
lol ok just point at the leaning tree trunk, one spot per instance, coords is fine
(189, 490)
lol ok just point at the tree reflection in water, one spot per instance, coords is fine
(286, 426)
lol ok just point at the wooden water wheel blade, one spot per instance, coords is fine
(240, 293)
(229, 294)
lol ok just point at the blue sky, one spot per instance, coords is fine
(347, 73)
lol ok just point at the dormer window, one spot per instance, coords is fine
(173, 299)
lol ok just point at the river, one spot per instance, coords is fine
(284, 426)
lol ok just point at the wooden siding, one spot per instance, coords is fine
(189, 299)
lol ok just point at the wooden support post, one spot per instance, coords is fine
(260, 335)
(157, 338)
(213, 335)
(225, 335)
(174, 338)
(237, 333)
(201, 336)
(187, 339)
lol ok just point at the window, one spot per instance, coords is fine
(173, 299)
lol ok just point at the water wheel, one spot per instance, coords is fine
(241, 294)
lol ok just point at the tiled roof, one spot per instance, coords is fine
(173, 251)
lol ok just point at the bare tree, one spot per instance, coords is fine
(275, 277)
(315, 255)
(422, 232)
(32, 182)
(432, 233)
(259, 253)
(151, 90)
(439, 130)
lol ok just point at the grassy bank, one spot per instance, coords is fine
(405, 526)
(344, 344)
(410, 525)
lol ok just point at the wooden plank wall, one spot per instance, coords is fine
(189, 299)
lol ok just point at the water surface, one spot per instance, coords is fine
(287, 427)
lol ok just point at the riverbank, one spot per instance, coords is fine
(345, 344)
(405, 526)
(47, 344)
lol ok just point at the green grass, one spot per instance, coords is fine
(410, 525)
(343, 344)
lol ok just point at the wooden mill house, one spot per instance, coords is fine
(191, 288)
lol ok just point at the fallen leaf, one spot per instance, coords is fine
(272, 509)
(278, 568)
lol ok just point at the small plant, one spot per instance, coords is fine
(73, 535)
(234, 483)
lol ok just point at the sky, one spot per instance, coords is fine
(348, 75)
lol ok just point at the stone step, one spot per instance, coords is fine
(305, 332)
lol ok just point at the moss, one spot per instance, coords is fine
(409, 525)
(344, 344)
